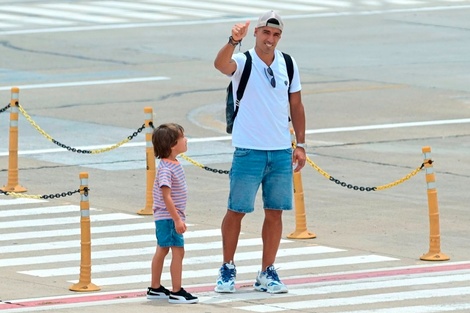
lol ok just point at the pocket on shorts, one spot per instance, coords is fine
(241, 152)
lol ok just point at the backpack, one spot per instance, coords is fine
(230, 111)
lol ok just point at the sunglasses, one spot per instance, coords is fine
(271, 73)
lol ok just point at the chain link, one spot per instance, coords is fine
(354, 187)
(139, 130)
(5, 108)
(213, 170)
(96, 151)
(50, 196)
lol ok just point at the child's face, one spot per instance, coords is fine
(181, 145)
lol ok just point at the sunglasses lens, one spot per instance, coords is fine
(272, 80)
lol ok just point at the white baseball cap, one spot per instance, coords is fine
(271, 19)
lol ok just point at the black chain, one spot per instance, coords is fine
(139, 130)
(5, 108)
(349, 186)
(57, 195)
(213, 170)
(134, 134)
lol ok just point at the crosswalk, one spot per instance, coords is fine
(42, 241)
(33, 14)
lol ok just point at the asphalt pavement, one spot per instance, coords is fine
(378, 85)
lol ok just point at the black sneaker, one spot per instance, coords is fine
(182, 296)
(157, 293)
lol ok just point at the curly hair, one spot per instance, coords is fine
(165, 137)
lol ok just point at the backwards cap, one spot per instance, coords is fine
(271, 19)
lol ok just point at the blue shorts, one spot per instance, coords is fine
(270, 169)
(167, 235)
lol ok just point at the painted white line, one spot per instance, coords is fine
(226, 138)
(360, 300)
(387, 126)
(226, 20)
(67, 7)
(277, 6)
(338, 287)
(363, 259)
(60, 233)
(20, 19)
(405, 2)
(90, 83)
(162, 8)
(327, 3)
(437, 308)
(29, 10)
(66, 220)
(118, 253)
(17, 201)
(220, 6)
(41, 211)
(207, 259)
(65, 244)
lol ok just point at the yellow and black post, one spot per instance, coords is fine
(150, 157)
(12, 184)
(84, 283)
(434, 253)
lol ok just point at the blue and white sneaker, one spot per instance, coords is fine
(268, 281)
(226, 280)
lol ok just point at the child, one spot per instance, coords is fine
(169, 203)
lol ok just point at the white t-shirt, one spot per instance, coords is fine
(262, 122)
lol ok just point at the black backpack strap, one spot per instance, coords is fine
(243, 81)
(290, 67)
(290, 72)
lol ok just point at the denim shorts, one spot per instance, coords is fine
(167, 235)
(270, 169)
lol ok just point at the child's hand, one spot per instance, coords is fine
(180, 226)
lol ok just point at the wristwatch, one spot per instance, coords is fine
(302, 145)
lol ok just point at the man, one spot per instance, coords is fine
(263, 151)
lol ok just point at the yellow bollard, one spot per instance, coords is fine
(434, 253)
(150, 156)
(84, 283)
(301, 231)
(12, 184)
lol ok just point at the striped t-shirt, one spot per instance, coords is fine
(171, 174)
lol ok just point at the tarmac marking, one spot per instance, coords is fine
(16, 201)
(341, 261)
(60, 233)
(41, 211)
(64, 244)
(439, 308)
(206, 259)
(90, 83)
(66, 220)
(307, 132)
(226, 20)
(107, 254)
(106, 298)
(368, 299)
(342, 287)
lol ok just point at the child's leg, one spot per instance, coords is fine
(157, 265)
(176, 267)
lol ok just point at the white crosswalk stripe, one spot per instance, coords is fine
(42, 246)
(88, 12)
